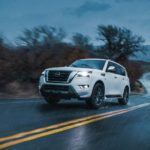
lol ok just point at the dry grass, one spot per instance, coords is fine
(16, 89)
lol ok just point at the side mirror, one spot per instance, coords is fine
(111, 69)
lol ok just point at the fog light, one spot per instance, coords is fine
(84, 86)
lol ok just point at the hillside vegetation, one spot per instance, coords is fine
(43, 47)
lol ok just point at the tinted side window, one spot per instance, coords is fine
(123, 71)
(120, 70)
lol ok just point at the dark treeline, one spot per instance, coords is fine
(43, 47)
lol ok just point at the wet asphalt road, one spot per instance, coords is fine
(129, 130)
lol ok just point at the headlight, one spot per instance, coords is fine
(44, 73)
(84, 74)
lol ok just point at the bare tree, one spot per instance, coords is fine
(41, 37)
(119, 42)
(81, 41)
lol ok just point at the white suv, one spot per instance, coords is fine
(92, 80)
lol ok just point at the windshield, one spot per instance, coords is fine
(84, 63)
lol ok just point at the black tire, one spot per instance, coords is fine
(124, 100)
(52, 100)
(97, 97)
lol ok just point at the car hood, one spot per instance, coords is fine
(71, 69)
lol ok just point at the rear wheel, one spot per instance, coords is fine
(97, 97)
(52, 100)
(124, 100)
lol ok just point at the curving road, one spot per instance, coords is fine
(146, 82)
(29, 124)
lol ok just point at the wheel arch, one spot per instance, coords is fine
(127, 87)
(101, 82)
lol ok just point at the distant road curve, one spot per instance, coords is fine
(146, 82)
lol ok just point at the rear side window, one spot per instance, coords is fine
(120, 70)
(123, 72)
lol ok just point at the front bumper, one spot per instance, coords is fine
(63, 91)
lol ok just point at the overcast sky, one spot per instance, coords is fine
(74, 15)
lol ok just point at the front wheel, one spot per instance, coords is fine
(97, 97)
(52, 100)
(124, 100)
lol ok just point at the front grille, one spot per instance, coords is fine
(55, 88)
(58, 76)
